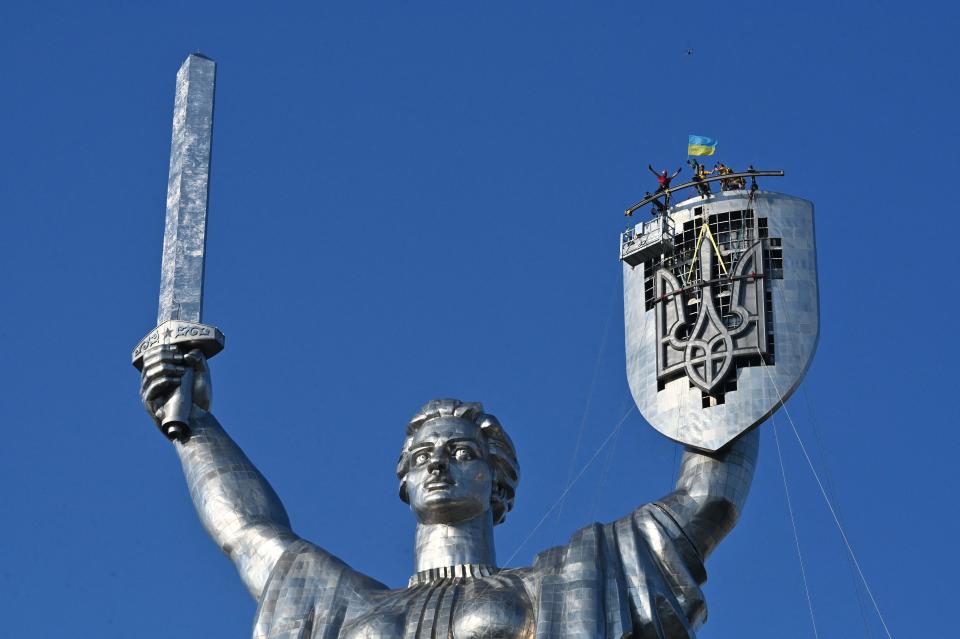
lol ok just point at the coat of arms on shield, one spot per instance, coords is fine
(721, 311)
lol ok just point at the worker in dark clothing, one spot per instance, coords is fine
(699, 174)
(753, 181)
(658, 207)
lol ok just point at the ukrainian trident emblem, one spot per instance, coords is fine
(722, 321)
(705, 349)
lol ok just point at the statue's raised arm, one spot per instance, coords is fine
(712, 490)
(641, 575)
(459, 472)
(237, 506)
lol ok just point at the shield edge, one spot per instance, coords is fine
(782, 391)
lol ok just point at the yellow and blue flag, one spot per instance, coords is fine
(701, 145)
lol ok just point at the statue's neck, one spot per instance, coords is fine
(445, 545)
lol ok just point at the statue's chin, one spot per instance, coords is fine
(442, 510)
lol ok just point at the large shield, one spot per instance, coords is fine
(722, 312)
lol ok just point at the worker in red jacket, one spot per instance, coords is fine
(663, 180)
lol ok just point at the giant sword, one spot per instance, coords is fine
(184, 237)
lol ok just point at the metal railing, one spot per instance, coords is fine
(653, 236)
(662, 198)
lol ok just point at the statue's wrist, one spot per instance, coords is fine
(200, 422)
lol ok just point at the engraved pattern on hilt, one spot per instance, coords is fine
(146, 344)
(190, 335)
(194, 330)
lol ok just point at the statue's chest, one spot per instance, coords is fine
(490, 607)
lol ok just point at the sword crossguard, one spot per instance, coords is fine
(187, 336)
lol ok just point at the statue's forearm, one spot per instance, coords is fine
(712, 490)
(236, 505)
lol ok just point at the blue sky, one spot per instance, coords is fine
(417, 200)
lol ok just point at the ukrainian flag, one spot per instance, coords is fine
(701, 145)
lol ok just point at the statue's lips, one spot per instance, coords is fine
(439, 484)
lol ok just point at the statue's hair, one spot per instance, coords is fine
(500, 451)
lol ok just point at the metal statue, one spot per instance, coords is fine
(639, 576)
(184, 238)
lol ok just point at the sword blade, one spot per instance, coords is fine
(184, 238)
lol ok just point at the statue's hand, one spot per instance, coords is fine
(162, 369)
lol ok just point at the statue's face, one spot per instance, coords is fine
(449, 478)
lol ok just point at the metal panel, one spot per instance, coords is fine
(184, 239)
(675, 407)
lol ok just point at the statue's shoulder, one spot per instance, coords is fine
(310, 583)
(649, 526)
(306, 567)
(584, 545)
(616, 569)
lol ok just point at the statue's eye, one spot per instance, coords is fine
(463, 454)
(420, 459)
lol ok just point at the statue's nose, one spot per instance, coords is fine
(437, 465)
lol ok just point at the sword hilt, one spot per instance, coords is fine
(187, 336)
(176, 412)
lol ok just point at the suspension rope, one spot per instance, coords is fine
(796, 535)
(831, 489)
(829, 479)
(678, 428)
(608, 462)
(593, 384)
(826, 498)
(566, 490)
(607, 465)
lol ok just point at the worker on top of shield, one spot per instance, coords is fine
(729, 184)
(663, 180)
(700, 173)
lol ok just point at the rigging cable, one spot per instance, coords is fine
(677, 449)
(793, 522)
(826, 498)
(566, 490)
(829, 482)
(833, 493)
(607, 465)
(593, 385)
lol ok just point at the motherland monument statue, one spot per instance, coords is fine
(639, 576)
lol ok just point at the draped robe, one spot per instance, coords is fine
(639, 576)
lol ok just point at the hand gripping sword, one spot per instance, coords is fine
(184, 237)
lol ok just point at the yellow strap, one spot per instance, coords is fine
(717, 249)
(696, 254)
(705, 228)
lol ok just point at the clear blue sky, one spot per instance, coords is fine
(416, 200)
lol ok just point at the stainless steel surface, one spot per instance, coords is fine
(186, 335)
(176, 412)
(703, 383)
(181, 274)
(185, 232)
(704, 350)
(458, 471)
(639, 576)
(712, 491)
(647, 239)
